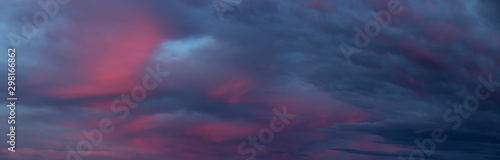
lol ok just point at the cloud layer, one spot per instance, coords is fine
(226, 78)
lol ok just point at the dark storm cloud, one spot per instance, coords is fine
(227, 76)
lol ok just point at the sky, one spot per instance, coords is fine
(305, 79)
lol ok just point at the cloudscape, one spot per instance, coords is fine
(251, 79)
